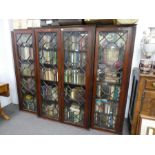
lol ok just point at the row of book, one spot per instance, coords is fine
(110, 92)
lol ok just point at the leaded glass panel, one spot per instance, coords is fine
(111, 50)
(75, 48)
(24, 44)
(48, 58)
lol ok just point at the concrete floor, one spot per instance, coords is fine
(23, 123)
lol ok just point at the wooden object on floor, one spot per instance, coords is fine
(77, 83)
(112, 67)
(4, 91)
(144, 98)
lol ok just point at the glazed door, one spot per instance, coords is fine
(112, 60)
(48, 72)
(24, 54)
(76, 75)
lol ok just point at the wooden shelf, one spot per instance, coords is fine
(49, 82)
(47, 101)
(27, 76)
(74, 85)
(109, 83)
(45, 65)
(88, 64)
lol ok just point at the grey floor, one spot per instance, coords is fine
(23, 123)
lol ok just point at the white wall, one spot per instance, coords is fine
(142, 25)
(7, 74)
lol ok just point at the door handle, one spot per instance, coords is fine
(153, 84)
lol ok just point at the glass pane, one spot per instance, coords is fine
(109, 75)
(49, 74)
(75, 46)
(26, 64)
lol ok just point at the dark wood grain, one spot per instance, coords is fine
(125, 78)
(126, 72)
(89, 53)
(91, 69)
(16, 60)
(47, 30)
(145, 98)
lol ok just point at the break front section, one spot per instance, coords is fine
(24, 57)
(111, 75)
(77, 49)
(48, 72)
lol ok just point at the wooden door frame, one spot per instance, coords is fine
(89, 71)
(16, 63)
(125, 77)
(48, 30)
